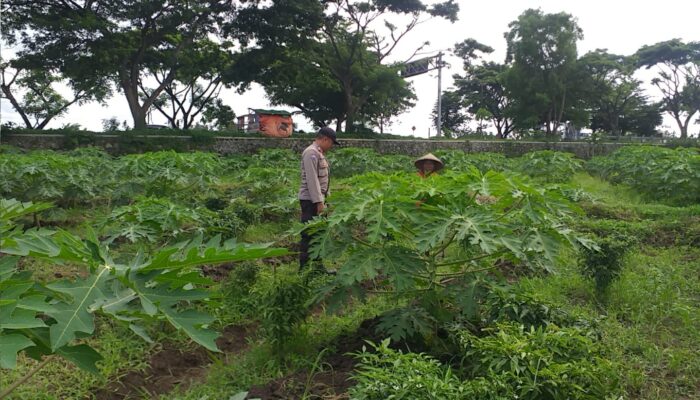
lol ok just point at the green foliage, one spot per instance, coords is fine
(678, 77)
(355, 161)
(540, 363)
(457, 160)
(283, 307)
(166, 173)
(46, 318)
(550, 166)
(67, 179)
(152, 219)
(385, 373)
(604, 264)
(544, 79)
(238, 301)
(503, 304)
(657, 173)
(424, 239)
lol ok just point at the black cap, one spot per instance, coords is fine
(329, 132)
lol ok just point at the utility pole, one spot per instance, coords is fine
(439, 101)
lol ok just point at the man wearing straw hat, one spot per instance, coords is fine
(428, 165)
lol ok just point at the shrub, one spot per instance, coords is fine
(539, 363)
(658, 173)
(549, 166)
(604, 264)
(151, 219)
(390, 374)
(283, 307)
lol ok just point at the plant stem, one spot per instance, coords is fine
(451, 277)
(25, 378)
(469, 259)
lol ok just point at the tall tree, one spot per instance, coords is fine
(543, 80)
(389, 96)
(88, 40)
(197, 83)
(33, 93)
(678, 79)
(218, 116)
(454, 118)
(481, 86)
(617, 102)
(345, 53)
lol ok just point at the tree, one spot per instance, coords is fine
(481, 87)
(390, 95)
(345, 54)
(197, 83)
(543, 79)
(678, 79)
(482, 115)
(218, 116)
(89, 41)
(33, 94)
(618, 104)
(454, 118)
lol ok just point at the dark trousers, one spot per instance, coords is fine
(308, 211)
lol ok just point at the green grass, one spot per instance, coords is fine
(58, 380)
(260, 363)
(650, 318)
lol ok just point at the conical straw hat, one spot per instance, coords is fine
(430, 157)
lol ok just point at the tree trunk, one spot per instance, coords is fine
(128, 81)
(499, 128)
(339, 125)
(349, 106)
(683, 127)
(132, 97)
(8, 94)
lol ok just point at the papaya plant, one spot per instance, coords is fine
(152, 219)
(50, 318)
(658, 173)
(425, 240)
(549, 166)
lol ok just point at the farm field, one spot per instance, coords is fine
(171, 275)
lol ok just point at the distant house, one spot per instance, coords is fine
(273, 123)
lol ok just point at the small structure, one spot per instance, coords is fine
(273, 123)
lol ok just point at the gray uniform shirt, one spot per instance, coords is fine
(315, 174)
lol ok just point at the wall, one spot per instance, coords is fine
(237, 145)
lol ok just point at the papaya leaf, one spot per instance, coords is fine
(83, 356)
(10, 345)
(73, 316)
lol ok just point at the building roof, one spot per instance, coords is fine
(271, 112)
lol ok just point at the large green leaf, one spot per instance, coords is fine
(193, 324)
(10, 345)
(363, 264)
(8, 266)
(172, 259)
(60, 246)
(20, 319)
(83, 356)
(73, 315)
(11, 209)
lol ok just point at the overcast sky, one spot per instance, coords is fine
(619, 26)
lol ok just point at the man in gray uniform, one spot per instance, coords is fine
(315, 180)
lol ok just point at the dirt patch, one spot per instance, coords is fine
(331, 380)
(217, 272)
(601, 211)
(172, 367)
